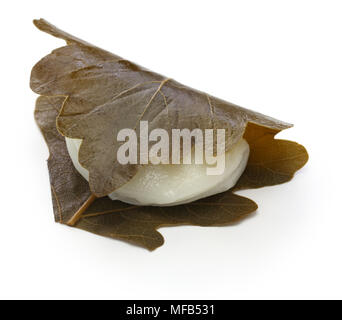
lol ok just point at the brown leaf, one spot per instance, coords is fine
(88, 89)
(69, 190)
(271, 161)
(105, 94)
(116, 219)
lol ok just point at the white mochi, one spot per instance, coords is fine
(167, 184)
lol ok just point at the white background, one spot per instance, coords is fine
(282, 58)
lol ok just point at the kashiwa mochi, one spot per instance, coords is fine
(173, 184)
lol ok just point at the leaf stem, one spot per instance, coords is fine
(74, 219)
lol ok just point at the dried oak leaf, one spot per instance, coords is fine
(105, 93)
(116, 219)
(71, 79)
